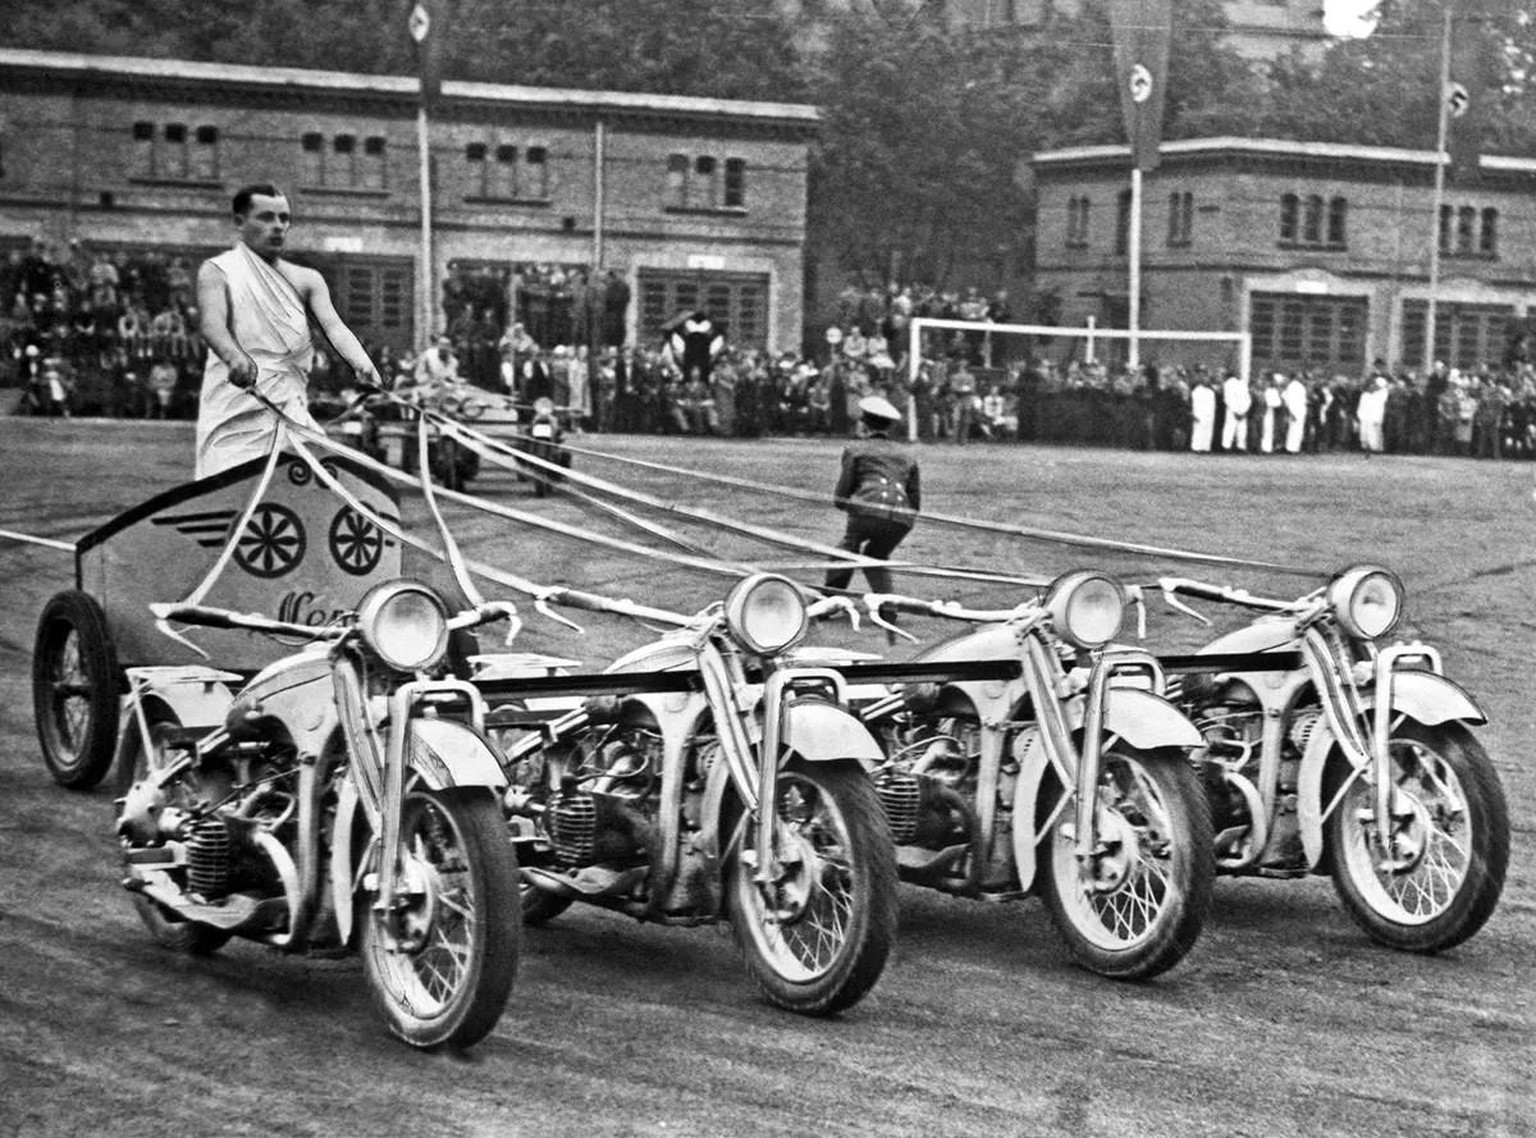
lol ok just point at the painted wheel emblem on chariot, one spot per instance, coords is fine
(273, 542)
(356, 543)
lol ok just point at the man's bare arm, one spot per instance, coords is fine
(318, 297)
(213, 323)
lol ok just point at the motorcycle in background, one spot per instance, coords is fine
(543, 439)
(342, 797)
(1043, 759)
(1328, 750)
(716, 781)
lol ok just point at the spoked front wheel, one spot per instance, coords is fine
(815, 935)
(441, 962)
(1139, 902)
(1442, 878)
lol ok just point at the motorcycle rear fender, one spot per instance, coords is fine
(445, 753)
(1427, 697)
(823, 732)
(193, 696)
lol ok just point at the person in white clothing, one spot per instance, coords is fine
(1202, 406)
(1238, 400)
(1272, 404)
(254, 313)
(1371, 413)
(1295, 399)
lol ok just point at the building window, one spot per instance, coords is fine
(503, 173)
(312, 159)
(1123, 222)
(677, 180)
(1488, 237)
(1466, 225)
(1077, 222)
(704, 191)
(172, 162)
(1290, 208)
(704, 182)
(205, 153)
(343, 168)
(1466, 335)
(1307, 331)
(144, 150)
(535, 173)
(1312, 220)
(1181, 217)
(1338, 211)
(735, 183)
(375, 166)
(506, 173)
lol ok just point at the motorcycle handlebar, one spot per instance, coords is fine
(1184, 586)
(949, 610)
(209, 617)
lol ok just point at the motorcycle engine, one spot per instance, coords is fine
(601, 812)
(933, 762)
(213, 810)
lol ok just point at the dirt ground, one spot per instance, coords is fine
(1284, 1020)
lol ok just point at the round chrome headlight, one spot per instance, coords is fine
(406, 623)
(1367, 600)
(1086, 608)
(766, 613)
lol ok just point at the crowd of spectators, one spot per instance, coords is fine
(114, 332)
(109, 332)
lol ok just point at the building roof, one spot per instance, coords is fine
(396, 87)
(1271, 148)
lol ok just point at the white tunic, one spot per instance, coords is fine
(270, 322)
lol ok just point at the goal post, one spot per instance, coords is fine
(1087, 343)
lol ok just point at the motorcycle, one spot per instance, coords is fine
(1032, 755)
(1327, 750)
(342, 797)
(714, 782)
(544, 440)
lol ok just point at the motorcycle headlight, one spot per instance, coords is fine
(405, 623)
(766, 614)
(1367, 601)
(1086, 608)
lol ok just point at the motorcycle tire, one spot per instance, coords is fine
(1459, 829)
(826, 940)
(76, 682)
(1151, 891)
(167, 929)
(447, 985)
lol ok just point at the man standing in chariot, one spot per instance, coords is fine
(255, 312)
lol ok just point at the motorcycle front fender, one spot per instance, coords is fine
(1147, 721)
(445, 753)
(1030, 751)
(345, 860)
(1427, 697)
(822, 732)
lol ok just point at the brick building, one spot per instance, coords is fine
(691, 201)
(1322, 252)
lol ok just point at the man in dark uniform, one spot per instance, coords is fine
(880, 492)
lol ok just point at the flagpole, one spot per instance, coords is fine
(1437, 227)
(1134, 250)
(427, 275)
